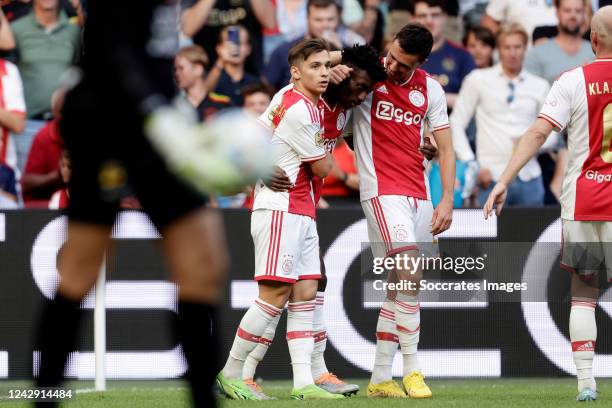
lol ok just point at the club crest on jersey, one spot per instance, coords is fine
(341, 121)
(287, 264)
(416, 98)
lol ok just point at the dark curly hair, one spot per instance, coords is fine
(366, 58)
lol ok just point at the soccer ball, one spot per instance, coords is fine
(240, 151)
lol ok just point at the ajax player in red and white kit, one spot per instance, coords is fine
(337, 102)
(580, 101)
(284, 230)
(388, 130)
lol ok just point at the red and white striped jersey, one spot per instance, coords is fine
(581, 101)
(12, 100)
(297, 141)
(334, 123)
(388, 131)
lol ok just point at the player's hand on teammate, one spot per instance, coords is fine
(442, 216)
(278, 181)
(428, 149)
(497, 199)
(339, 73)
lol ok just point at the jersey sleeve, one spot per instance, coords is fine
(557, 105)
(497, 10)
(437, 112)
(14, 100)
(302, 135)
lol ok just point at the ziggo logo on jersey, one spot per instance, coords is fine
(597, 176)
(387, 111)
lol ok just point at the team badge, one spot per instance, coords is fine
(448, 64)
(399, 233)
(341, 121)
(287, 264)
(416, 98)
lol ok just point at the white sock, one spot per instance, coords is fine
(320, 338)
(259, 352)
(252, 326)
(386, 343)
(408, 320)
(583, 334)
(300, 341)
(411, 363)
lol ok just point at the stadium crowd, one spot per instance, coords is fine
(495, 59)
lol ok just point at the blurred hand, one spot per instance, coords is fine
(428, 149)
(278, 181)
(485, 178)
(339, 73)
(228, 52)
(322, 203)
(442, 217)
(497, 199)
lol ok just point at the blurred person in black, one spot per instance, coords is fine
(124, 90)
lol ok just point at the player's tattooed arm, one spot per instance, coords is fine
(278, 181)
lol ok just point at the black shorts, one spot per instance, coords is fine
(111, 158)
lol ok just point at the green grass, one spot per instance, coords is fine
(502, 393)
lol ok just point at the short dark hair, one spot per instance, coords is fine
(366, 58)
(482, 34)
(415, 39)
(257, 87)
(321, 4)
(557, 3)
(305, 48)
(431, 3)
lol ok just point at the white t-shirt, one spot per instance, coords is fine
(528, 13)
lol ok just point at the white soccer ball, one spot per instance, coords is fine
(240, 151)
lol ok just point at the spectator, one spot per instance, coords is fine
(257, 97)
(551, 58)
(506, 100)
(366, 19)
(448, 62)
(189, 71)
(59, 199)
(41, 176)
(567, 49)
(46, 45)
(291, 19)
(7, 40)
(203, 21)
(14, 9)
(480, 43)
(528, 13)
(12, 113)
(323, 22)
(8, 188)
(228, 76)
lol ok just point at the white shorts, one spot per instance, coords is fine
(399, 223)
(286, 246)
(587, 247)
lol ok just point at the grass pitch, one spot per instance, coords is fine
(498, 393)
